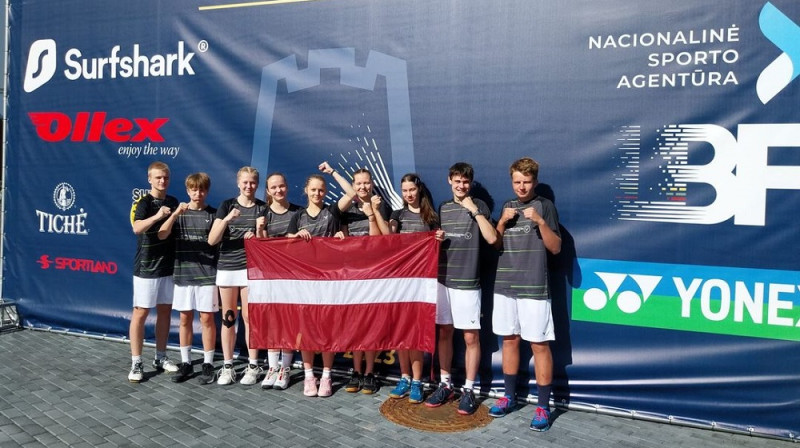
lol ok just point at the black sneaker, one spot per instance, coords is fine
(185, 371)
(369, 385)
(467, 405)
(206, 374)
(354, 385)
(440, 396)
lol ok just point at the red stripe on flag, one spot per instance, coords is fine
(340, 275)
(387, 326)
(356, 258)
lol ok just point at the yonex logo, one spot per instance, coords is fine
(785, 34)
(628, 301)
(41, 64)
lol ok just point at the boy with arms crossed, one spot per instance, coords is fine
(152, 271)
(528, 230)
(459, 298)
(195, 274)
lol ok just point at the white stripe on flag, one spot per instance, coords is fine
(343, 292)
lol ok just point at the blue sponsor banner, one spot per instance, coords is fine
(667, 134)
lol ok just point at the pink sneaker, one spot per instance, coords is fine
(325, 387)
(310, 387)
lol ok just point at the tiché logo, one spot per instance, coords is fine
(64, 199)
(92, 126)
(785, 34)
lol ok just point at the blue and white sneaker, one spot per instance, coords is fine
(502, 407)
(541, 421)
(416, 395)
(440, 396)
(402, 388)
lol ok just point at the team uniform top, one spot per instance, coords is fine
(410, 222)
(522, 266)
(231, 249)
(358, 223)
(278, 223)
(154, 257)
(326, 223)
(195, 259)
(458, 257)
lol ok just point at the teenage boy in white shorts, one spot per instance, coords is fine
(528, 229)
(195, 275)
(152, 271)
(458, 305)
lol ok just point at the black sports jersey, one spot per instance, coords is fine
(231, 249)
(357, 222)
(278, 223)
(154, 257)
(410, 222)
(458, 256)
(326, 223)
(522, 266)
(195, 259)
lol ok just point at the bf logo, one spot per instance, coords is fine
(739, 171)
(627, 301)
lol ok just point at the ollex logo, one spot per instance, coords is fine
(42, 64)
(64, 199)
(785, 34)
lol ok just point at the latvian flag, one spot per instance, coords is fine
(360, 293)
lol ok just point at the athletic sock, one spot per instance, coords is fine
(253, 363)
(468, 384)
(135, 359)
(510, 382)
(326, 372)
(228, 363)
(286, 358)
(272, 358)
(544, 396)
(186, 355)
(208, 357)
(446, 379)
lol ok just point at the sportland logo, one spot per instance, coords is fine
(43, 63)
(785, 34)
(707, 299)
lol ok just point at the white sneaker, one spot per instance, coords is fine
(137, 373)
(282, 380)
(165, 364)
(251, 375)
(269, 380)
(226, 376)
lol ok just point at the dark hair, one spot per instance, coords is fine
(426, 211)
(462, 169)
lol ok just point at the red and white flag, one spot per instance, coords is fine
(360, 293)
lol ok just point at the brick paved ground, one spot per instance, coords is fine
(60, 390)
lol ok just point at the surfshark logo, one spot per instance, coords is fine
(785, 34)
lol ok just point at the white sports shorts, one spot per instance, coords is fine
(529, 318)
(459, 307)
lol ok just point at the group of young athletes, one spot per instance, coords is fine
(191, 257)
